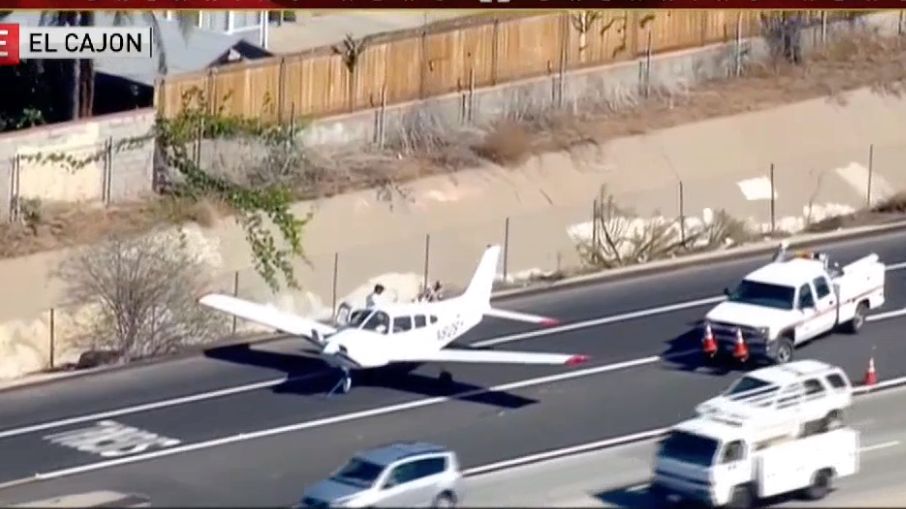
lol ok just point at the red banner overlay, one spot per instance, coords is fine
(448, 4)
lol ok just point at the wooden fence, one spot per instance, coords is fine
(450, 56)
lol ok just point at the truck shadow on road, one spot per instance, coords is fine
(636, 496)
(684, 353)
(309, 376)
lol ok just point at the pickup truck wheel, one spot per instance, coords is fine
(821, 485)
(784, 351)
(444, 500)
(741, 498)
(855, 325)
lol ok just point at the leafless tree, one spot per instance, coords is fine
(146, 289)
(620, 238)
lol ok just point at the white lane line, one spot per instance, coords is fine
(501, 465)
(375, 412)
(886, 315)
(885, 445)
(152, 406)
(642, 313)
(480, 344)
(277, 381)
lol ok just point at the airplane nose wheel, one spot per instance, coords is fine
(445, 378)
(344, 384)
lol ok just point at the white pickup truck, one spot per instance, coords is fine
(722, 465)
(794, 299)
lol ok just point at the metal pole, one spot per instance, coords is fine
(427, 256)
(235, 294)
(772, 198)
(871, 156)
(738, 62)
(336, 271)
(648, 66)
(594, 231)
(52, 338)
(506, 246)
(682, 213)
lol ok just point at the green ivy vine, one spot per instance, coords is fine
(174, 137)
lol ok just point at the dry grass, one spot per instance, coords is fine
(507, 144)
(422, 145)
(62, 225)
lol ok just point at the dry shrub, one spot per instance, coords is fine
(57, 225)
(507, 144)
(146, 289)
(896, 204)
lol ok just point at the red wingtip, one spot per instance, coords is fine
(550, 322)
(576, 360)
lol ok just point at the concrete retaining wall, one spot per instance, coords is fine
(116, 172)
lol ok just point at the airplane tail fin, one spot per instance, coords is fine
(479, 289)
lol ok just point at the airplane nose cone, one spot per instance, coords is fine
(332, 348)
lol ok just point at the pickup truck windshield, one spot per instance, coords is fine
(763, 294)
(689, 448)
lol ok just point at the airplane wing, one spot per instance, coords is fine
(495, 357)
(267, 315)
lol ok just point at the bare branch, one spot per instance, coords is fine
(145, 288)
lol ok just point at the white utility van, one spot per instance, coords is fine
(786, 400)
(721, 465)
(795, 299)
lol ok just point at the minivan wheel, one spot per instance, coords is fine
(444, 500)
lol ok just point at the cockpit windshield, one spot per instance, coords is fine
(379, 321)
(358, 317)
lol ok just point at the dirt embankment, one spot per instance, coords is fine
(849, 62)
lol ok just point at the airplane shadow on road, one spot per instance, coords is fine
(309, 376)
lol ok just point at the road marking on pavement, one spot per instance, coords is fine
(885, 445)
(886, 315)
(642, 313)
(501, 465)
(327, 421)
(480, 344)
(277, 381)
(111, 439)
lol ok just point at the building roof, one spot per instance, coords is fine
(792, 272)
(387, 454)
(198, 50)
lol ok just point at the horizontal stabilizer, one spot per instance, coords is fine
(522, 317)
(496, 357)
(267, 315)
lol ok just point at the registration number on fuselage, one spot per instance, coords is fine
(450, 331)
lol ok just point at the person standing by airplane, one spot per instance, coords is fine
(375, 297)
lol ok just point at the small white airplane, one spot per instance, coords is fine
(402, 332)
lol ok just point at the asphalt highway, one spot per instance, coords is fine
(618, 477)
(194, 411)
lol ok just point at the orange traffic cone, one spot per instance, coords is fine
(741, 350)
(709, 345)
(871, 377)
